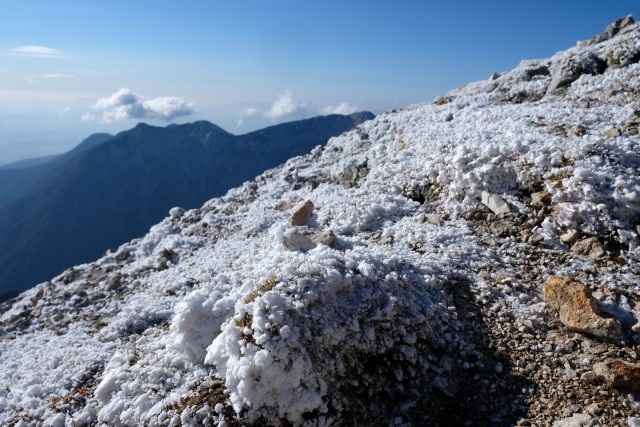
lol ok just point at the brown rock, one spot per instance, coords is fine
(302, 214)
(590, 247)
(540, 199)
(613, 133)
(579, 130)
(619, 374)
(578, 310)
(570, 236)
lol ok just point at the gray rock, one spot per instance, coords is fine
(302, 214)
(577, 420)
(495, 203)
(590, 247)
(620, 26)
(325, 237)
(298, 242)
(504, 228)
(569, 70)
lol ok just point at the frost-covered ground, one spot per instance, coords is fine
(427, 308)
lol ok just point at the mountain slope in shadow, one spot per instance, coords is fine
(17, 178)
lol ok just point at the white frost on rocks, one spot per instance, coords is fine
(213, 294)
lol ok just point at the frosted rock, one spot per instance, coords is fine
(495, 203)
(298, 242)
(578, 310)
(572, 67)
(577, 420)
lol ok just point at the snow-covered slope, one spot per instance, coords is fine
(449, 217)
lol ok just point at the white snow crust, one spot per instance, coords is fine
(212, 294)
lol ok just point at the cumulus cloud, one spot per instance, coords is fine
(343, 108)
(285, 106)
(37, 51)
(126, 104)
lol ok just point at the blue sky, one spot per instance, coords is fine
(72, 68)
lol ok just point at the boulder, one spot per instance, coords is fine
(619, 374)
(569, 70)
(578, 310)
(302, 214)
(495, 203)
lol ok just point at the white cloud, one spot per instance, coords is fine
(285, 106)
(87, 117)
(37, 51)
(4, 70)
(126, 104)
(246, 113)
(343, 108)
(249, 112)
(58, 76)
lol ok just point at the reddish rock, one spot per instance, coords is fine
(578, 310)
(619, 374)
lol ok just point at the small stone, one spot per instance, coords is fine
(613, 133)
(578, 130)
(619, 374)
(578, 310)
(298, 242)
(302, 214)
(325, 237)
(434, 219)
(448, 117)
(495, 203)
(570, 236)
(504, 228)
(594, 409)
(577, 420)
(535, 239)
(633, 422)
(590, 247)
(540, 199)
(589, 377)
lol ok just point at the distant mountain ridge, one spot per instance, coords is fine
(115, 190)
(18, 177)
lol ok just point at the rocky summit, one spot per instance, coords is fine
(469, 261)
